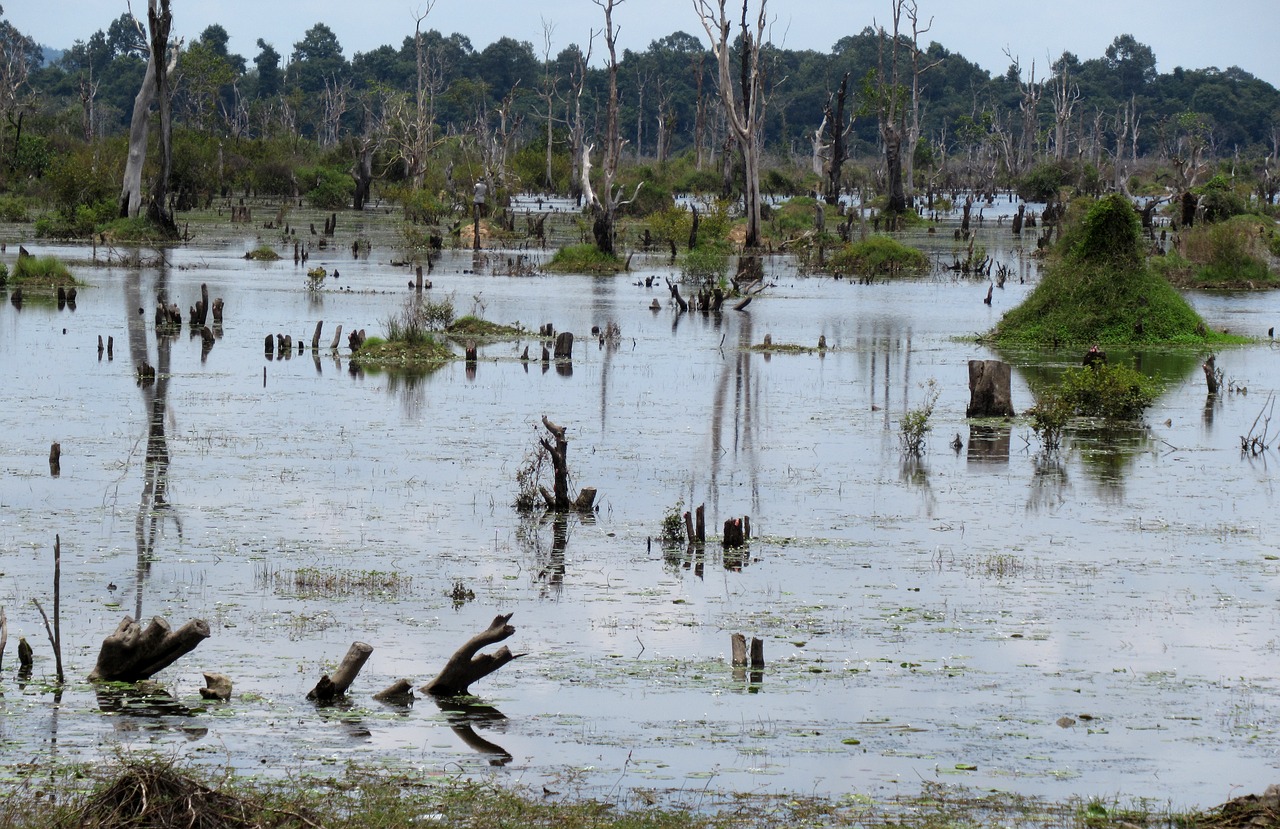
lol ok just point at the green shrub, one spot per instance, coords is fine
(424, 207)
(584, 258)
(13, 209)
(1112, 392)
(418, 317)
(705, 263)
(1219, 200)
(1228, 252)
(915, 423)
(1049, 417)
(673, 524)
(1043, 182)
(4, 274)
(329, 188)
(877, 256)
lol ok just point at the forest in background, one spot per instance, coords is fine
(428, 116)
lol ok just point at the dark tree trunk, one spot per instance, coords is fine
(133, 653)
(160, 22)
(466, 667)
(835, 124)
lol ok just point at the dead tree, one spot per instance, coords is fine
(133, 653)
(558, 499)
(467, 665)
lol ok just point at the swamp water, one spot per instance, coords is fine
(922, 621)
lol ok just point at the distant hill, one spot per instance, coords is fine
(51, 55)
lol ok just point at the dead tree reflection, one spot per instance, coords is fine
(734, 424)
(154, 504)
(463, 718)
(1049, 483)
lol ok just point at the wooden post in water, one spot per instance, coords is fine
(330, 687)
(315, 338)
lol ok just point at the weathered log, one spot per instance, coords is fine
(734, 533)
(337, 336)
(269, 345)
(700, 523)
(55, 459)
(217, 310)
(4, 635)
(738, 644)
(26, 658)
(315, 338)
(989, 394)
(467, 666)
(133, 652)
(400, 691)
(217, 686)
(330, 687)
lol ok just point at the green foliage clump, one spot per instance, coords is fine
(328, 188)
(1043, 182)
(137, 229)
(4, 274)
(424, 207)
(1098, 288)
(915, 425)
(1049, 417)
(584, 258)
(262, 253)
(418, 318)
(42, 271)
(1230, 252)
(1219, 200)
(1114, 393)
(13, 209)
(651, 197)
(673, 524)
(705, 263)
(877, 256)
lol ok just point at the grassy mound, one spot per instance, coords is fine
(40, 272)
(585, 258)
(1098, 288)
(878, 256)
(472, 326)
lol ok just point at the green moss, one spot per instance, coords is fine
(585, 258)
(1099, 289)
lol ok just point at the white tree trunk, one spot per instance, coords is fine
(131, 192)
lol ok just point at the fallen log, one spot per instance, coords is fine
(467, 666)
(217, 687)
(133, 653)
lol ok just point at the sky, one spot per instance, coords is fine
(1187, 33)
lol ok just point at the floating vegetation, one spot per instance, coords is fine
(314, 582)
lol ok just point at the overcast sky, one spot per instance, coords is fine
(1188, 33)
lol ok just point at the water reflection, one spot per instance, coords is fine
(464, 717)
(153, 504)
(989, 443)
(1049, 483)
(737, 415)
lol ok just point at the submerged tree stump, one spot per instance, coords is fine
(217, 687)
(135, 653)
(332, 686)
(989, 394)
(467, 666)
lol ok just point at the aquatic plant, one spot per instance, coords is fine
(915, 426)
(877, 256)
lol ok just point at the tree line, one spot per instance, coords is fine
(519, 112)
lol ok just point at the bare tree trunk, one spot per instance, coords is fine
(466, 667)
(161, 21)
(131, 192)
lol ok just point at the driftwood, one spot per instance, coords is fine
(217, 686)
(133, 653)
(989, 394)
(467, 666)
(55, 459)
(330, 687)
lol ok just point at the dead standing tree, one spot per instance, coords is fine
(155, 84)
(558, 500)
(745, 117)
(604, 206)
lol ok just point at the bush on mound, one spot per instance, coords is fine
(1098, 288)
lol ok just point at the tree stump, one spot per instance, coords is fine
(989, 394)
(331, 687)
(133, 653)
(398, 692)
(564, 346)
(467, 666)
(217, 687)
(559, 454)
